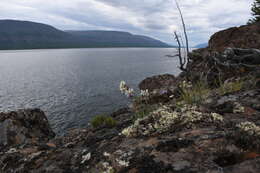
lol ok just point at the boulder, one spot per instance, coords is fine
(24, 127)
(159, 82)
(161, 88)
(247, 36)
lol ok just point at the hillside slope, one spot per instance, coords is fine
(116, 39)
(26, 35)
(31, 35)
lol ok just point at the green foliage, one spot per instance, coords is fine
(194, 94)
(255, 12)
(112, 171)
(102, 120)
(230, 87)
(144, 110)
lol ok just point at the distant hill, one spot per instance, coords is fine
(117, 39)
(203, 45)
(30, 35)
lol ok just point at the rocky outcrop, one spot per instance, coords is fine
(80, 150)
(169, 131)
(203, 139)
(247, 36)
(232, 62)
(24, 127)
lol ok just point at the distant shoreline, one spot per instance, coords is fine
(16, 35)
(88, 48)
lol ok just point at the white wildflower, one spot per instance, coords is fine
(122, 163)
(106, 154)
(107, 167)
(128, 131)
(216, 117)
(144, 93)
(129, 92)
(238, 108)
(122, 86)
(186, 85)
(86, 158)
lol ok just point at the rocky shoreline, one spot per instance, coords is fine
(181, 127)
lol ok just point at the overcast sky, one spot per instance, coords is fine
(156, 18)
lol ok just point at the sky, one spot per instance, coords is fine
(155, 18)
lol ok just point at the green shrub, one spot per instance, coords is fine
(144, 110)
(102, 120)
(194, 94)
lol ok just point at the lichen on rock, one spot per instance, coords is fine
(164, 119)
(238, 108)
(108, 168)
(249, 128)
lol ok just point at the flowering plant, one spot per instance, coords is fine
(144, 93)
(129, 92)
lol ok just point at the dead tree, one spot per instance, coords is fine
(183, 57)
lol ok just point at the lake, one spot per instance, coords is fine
(73, 85)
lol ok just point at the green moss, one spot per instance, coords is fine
(102, 120)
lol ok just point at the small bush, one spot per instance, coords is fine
(102, 120)
(194, 94)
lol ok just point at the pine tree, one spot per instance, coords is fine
(255, 12)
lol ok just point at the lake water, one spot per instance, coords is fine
(73, 85)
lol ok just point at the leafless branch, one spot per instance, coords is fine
(181, 58)
(183, 54)
(184, 29)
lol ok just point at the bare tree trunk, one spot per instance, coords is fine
(181, 59)
(184, 29)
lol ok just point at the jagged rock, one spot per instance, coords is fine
(24, 127)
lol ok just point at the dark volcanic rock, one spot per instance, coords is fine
(200, 148)
(24, 127)
(232, 62)
(159, 82)
(247, 36)
(160, 87)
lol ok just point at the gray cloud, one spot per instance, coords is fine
(157, 18)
